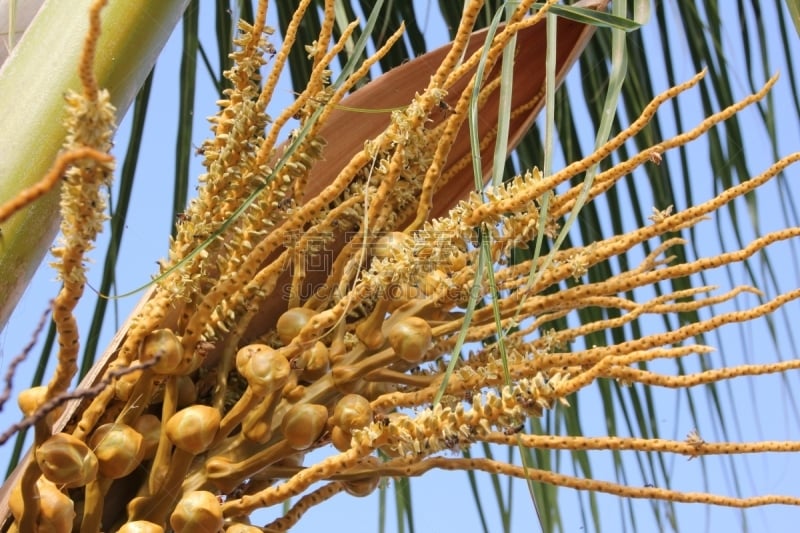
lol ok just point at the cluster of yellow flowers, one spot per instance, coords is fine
(308, 304)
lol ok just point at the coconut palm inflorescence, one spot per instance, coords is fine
(319, 291)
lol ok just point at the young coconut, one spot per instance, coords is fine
(119, 449)
(197, 511)
(56, 509)
(191, 430)
(303, 424)
(149, 427)
(66, 461)
(266, 372)
(352, 411)
(410, 338)
(291, 322)
(140, 526)
(30, 400)
(163, 347)
(361, 487)
(243, 528)
(315, 362)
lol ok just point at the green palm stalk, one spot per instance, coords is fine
(33, 82)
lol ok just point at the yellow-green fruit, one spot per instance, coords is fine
(198, 511)
(410, 338)
(193, 429)
(140, 526)
(164, 347)
(303, 424)
(66, 461)
(56, 509)
(291, 322)
(119, 449)
(149, 427)
(352, 411)
(263, 367)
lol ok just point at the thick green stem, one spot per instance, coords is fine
(41, 69)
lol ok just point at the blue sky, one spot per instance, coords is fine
(441, 500)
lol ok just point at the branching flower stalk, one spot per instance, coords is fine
(247, 354)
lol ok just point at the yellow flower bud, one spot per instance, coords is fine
(340, 439)
(30, 400)
(263, 367)
(193, 429)
(243, 528)
(410, 338)
(303, 424)
(291, 322)
(163, 345)
(66, 460)
(56, 509)
(198, 510)
(363, 486)
(124, 385)
(315, 362)
(149, 427)
(119, 449)
(187, 391)
(352, 411)
(140, 526)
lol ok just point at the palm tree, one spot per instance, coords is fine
(681, 38)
